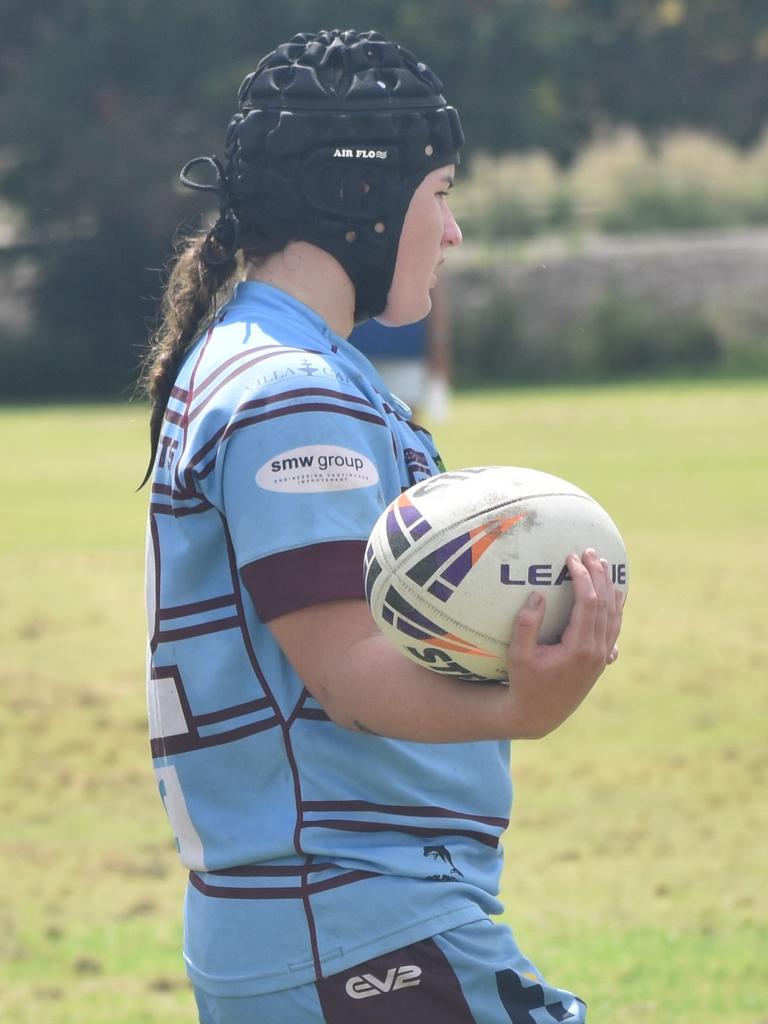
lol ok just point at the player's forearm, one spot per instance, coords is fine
(364, 682)
(375, 689)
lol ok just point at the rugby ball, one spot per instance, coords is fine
(451, 561)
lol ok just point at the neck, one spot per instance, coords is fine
(315, 278)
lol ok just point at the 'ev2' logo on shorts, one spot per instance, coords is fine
(364, 985)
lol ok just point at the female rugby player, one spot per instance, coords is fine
(339, 808)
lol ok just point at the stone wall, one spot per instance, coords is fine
(551, 287)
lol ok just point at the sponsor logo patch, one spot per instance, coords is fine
(362, 986)
(315, 468)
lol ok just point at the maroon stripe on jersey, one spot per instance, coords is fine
(179, 513)
(242, 892)
(200, 455)
(292, 410)
(198, 361)
(253, 360)
(398, 415)
(414, 985)
(196, 607)
(298, 706)
(203, 629)
(174, 417)
(283, 724)
(188, 492)
(289, 753)
(313, 715)
(185, 422)
(296, 579)
(180, 393)
(418, 428)
(235, 711)
(167, 746)
(273, 872)
(306, 904)
(289, 396)
(263, 352)
(339, 880)
(154, 626)
(163, 489)
(411, 811)
(343, 825)
(164, 746)
(285, 396)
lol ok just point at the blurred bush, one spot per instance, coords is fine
(610, 308)
(687, 181)
(624, 337)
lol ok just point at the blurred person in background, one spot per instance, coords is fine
(339, 808)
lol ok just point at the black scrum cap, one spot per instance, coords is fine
(334, 133)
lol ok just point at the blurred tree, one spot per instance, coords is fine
(101, 102)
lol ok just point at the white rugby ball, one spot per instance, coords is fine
(451, 561)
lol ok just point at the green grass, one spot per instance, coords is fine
(636, 858)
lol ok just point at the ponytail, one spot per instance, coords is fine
(195, 286)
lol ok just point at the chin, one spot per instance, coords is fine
(398, 314)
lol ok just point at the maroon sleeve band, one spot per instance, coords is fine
(296, 579)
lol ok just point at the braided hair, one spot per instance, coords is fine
(192, 294)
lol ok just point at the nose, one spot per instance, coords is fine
(451, 231)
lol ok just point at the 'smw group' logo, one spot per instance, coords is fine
(317, 467)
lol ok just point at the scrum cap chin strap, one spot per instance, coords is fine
(334, 133)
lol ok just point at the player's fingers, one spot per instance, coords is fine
(613, 656)
(606, 599)
(581, 625)
(525, 629)
(614, 619)
(598, 570)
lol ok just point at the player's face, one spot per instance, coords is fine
(429, 229)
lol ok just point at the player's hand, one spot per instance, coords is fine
(547, 682)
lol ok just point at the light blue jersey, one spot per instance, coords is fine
(311, 848)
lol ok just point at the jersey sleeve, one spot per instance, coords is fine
(305, 472)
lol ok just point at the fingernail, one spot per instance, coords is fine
(590, 551)
(534, 599)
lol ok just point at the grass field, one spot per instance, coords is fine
(636, 861)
